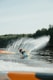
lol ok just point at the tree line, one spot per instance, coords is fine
(8, 38)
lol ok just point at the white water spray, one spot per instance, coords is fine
(29, 44)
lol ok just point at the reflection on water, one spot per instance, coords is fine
(46, 55)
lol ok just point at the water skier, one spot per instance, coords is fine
(23, 52)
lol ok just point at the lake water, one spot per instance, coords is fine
(37, 63)
(37, 59)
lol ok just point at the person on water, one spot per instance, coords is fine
(24, 54)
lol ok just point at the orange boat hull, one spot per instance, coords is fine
(22, 76)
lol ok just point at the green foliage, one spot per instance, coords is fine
(41, 32)
(50, 32)
(7, 39)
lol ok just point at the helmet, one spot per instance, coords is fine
(20, 50)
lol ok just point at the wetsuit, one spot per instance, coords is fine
(23, 53)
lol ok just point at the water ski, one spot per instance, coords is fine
(24, 56)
